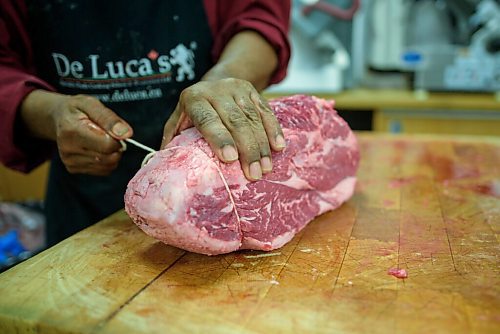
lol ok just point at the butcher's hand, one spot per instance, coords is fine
(86, 132)
(234, 119)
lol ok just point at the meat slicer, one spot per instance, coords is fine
(448, 45)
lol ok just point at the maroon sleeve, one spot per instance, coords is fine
(270, 18)
(17, 79)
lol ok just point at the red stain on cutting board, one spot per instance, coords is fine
(489, 189)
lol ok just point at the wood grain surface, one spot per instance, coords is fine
(430, 205)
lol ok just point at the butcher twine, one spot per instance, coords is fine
(144, 147)
(153, 152)
(226, 185)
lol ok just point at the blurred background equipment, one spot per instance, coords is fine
(321, 38)
(448, 45)
(22, 222)
(22, 228)
(435, 45)
(409, 66)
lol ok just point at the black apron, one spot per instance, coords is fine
(136, 57)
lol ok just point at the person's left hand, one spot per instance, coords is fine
(235, 121)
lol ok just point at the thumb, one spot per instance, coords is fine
(170, 128)
(104, 117)
(177, 122)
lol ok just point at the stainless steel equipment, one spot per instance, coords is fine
(447, 45)
(321, 36)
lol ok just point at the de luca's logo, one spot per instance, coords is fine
(180, 61)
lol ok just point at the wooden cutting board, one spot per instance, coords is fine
(430, 205)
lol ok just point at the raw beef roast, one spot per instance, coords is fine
(187, 198)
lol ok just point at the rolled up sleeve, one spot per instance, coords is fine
(17, 80)
(269, 18)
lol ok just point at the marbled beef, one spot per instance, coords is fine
(187, 198)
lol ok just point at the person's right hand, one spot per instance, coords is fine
(86, 132)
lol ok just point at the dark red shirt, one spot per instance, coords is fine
(18, 75)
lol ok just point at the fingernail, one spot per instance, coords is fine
(120, 129)
(280, 141)
(266, 164)
(255, 170)
(229, 153)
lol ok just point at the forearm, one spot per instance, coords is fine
(247, 56)
(37, 113)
